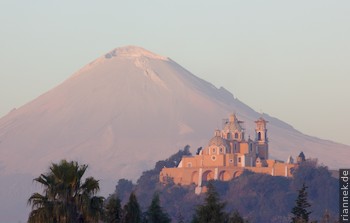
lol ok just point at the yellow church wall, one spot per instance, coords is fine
(270, 162)
(265, 170)
(279, 170)
(283, 169)
(208, 160)
(191, 161)
(183, 176)
(244, 148)
(214, 160)
(187, 176)
(229, 160)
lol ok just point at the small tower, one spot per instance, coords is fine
(290, 160)
(217, 132)
(261, 138)
(261, 130)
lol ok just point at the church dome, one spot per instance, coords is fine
(233, 124)
(218, 141)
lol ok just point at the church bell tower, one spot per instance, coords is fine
(261, 138)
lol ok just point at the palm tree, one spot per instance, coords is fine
(66, 198)
(43, 209)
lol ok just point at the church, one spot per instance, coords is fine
(227, 155)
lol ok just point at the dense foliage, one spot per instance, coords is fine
(155, 213)
(113, 210)
(212, 211)
(178, 201)
(132, 210)
(66, 198)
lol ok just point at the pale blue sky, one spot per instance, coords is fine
(290, 59)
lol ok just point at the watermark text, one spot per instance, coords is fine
(344, 178)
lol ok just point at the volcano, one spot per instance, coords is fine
(123, 112)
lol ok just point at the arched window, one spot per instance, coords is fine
(239, 159)
(259, 135)
(228, 136)
(214, 150)
(236, 135)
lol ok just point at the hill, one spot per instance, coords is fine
(260, 198)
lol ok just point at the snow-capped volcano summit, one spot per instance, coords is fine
(138, 55)
(133, 52)
(120, 114)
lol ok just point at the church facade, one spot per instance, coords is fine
(227, 155)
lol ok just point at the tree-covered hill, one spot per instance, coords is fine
(259, 198)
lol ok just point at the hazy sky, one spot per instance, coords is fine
(290, 59)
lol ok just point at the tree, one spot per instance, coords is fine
(212, 211)
(155, 214)
(65, 197)
(300, 212)
(236, 218)
(132, 211)
(123, 189)
(113, 210)
(180, 218)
